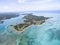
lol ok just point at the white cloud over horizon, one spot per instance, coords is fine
(31, 5)
(21, 1)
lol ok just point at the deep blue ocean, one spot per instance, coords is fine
(45, 34)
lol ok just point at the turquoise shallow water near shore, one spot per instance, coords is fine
(45, 34)
(42, 35)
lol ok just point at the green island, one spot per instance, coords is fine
(30, 19)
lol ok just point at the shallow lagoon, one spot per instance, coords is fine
(45, 34)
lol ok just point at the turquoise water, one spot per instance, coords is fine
(45, 34)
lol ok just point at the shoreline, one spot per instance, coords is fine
(29, 22)
(25, 28)
(22, 30)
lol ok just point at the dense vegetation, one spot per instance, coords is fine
(31, 17)
(29, 20)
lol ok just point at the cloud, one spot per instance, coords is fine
(21, 1)
(32, 5)
(40, 5)
(5, 7)
(33, 1)
(49, 0)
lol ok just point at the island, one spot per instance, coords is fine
(8, 15)
(4, 16)
(30, 19)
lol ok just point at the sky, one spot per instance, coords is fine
(28, 5)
